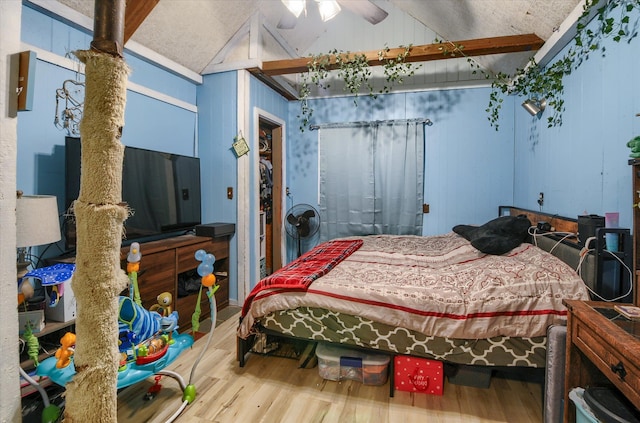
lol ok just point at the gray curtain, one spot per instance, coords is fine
(371, 179)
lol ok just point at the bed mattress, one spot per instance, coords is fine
(437, 286)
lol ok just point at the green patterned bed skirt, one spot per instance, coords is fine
(328, 326)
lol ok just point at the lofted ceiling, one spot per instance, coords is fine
(208, 36)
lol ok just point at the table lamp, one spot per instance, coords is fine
(37, 223)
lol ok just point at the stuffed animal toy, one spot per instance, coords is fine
(164, 304)
(634, 145)
(66, 350)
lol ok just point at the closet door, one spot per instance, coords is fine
(277, 196)
(271, 195)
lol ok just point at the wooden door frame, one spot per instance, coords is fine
(248, 216)
(262, 115)
(243, 192)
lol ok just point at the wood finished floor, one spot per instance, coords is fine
(272, 389)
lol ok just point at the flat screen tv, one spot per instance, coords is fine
(161, 189)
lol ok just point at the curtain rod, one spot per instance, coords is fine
(426, 121)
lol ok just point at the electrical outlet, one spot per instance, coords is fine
(541, 199)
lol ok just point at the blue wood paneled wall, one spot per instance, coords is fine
(217, 126)
(470, 168)
(582, 166)
(468, 165)
(149, 122)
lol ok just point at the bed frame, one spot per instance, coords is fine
(566, 248)
(558, 223)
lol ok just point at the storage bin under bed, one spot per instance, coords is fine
(338, 363)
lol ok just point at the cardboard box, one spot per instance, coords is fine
(35, 317)
(338, 363)
(415, 374)
(65, 309)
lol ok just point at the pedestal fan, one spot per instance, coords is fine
(302, 221)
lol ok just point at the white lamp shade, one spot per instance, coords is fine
(37, 221)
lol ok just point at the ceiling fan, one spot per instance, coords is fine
(328, 9)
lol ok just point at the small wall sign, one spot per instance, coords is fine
(240, 146)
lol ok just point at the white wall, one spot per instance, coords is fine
(10, 402)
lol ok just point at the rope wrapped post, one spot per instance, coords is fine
(100, 213)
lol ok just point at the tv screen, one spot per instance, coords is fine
(161, 189)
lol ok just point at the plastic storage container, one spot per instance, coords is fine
(339, 363)
(583, 411)
(609, 406)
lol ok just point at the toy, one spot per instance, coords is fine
(153, 390)
(634, 145)
(52, 278)
(26, 291)
(33, 345)
(133, 266)
(152, 349)
(144, 323)
(148, 340)
(51, 412)
(164, 304)
(66, 350)
(205, 270)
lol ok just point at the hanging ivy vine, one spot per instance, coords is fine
(535, 81)
(613, 21)
(355, 71)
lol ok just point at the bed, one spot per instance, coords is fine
(436, 297)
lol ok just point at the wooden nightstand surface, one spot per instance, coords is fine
(603, 347)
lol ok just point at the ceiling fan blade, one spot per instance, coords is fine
(287, 21)
(369, 11)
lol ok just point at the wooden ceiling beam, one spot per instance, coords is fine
(136, 12)
(422, 53)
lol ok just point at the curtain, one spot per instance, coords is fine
(371, 179)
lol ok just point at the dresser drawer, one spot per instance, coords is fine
(612, 362)
(157, 274)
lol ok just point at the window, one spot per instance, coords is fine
(371, 179)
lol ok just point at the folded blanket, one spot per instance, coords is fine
(300, 273)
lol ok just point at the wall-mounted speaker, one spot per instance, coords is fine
(26, 79)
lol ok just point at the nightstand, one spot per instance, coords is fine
(603, 348)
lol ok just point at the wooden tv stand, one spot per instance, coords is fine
(167, 263)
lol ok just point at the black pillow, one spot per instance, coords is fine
(498, 236)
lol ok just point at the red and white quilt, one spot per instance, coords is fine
(438, 285)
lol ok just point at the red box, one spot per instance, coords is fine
(415, 374)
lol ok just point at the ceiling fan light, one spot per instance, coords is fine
(295, 6)
(328, 9)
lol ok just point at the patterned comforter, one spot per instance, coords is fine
(437, 285)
